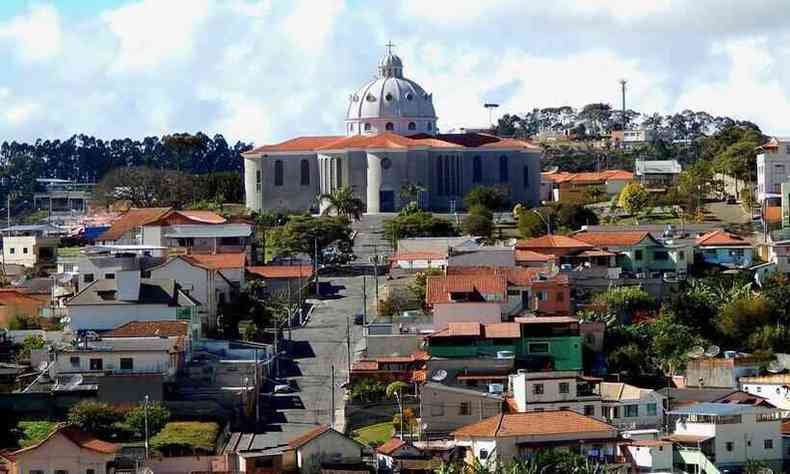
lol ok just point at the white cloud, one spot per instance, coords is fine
(18, 114)
(36, 34)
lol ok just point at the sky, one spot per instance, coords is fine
(264, 71)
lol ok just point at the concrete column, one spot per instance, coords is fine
(252, 196)
(374, 183)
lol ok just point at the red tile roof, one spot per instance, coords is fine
(612, 239)
(773, 214)
(81, 438)
(391, 446)
(218, 261)
(720, 238)
(308, 436)
(532, 256)
(296, 144)
(132, 219)
(515, 276)
(463, 329)
(589, 178)
(439, 288)
(552, 241)
(408, 256)
(502, 330)
(282, 271)
(203, 217)
(546, 423)
(150, 329)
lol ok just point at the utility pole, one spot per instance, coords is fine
(364, 301)
(145, 412)
(348, 346)
(623, 82)
(315, 266)
(332, 424)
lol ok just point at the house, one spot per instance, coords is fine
(417, 261)
(723, 248)
(108, 303)
(282, 281)
(632, 408)
(638, 252)
(726, 435)
(465, 288)
(391, 454)
(62, 197)
(555, 390)
(206, 283)
(775, 388)
(773, 168)
(489, 256)
(718, 372)
(409, 368)
(15, 302)
(577, 187)
(518, 435)
(569, 254)
(31, 245)
(66, 449)
(657, 174)
(649, 455)
(445, 408)
(177, 331)
(184, 231)
(630, 139)
(104, 265)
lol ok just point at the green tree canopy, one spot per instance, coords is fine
(634, 199)
(490, 197)
(343, 202)
(298, 236)
(158, 416)
(479, 222)
(95, 417)
(417, 224)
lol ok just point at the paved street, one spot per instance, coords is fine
(728, 213)
(315, 348)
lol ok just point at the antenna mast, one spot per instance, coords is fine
(623, 82)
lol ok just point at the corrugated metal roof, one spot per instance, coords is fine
(208, 230)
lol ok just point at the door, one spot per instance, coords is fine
(387, 201)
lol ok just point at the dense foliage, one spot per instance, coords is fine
(187, 438)
(301, 233)
(158, 416)
(417, 224)
(95, 417)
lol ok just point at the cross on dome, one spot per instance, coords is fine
(390, 65)
(389, 46)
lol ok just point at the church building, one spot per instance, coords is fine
(391, 139)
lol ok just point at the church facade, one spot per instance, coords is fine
(391, 140)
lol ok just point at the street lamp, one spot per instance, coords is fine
(490, 106)
(145, 411)
(545, 220)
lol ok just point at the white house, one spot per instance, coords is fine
(632, 408)
(559, 390)
(650, 455)
(30, 245)
(727, 435)
(773, 168)
(139, 355)
(773, 387)
(324, 446)
(657, 173)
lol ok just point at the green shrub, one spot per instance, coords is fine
(95, 417)
(158, 416)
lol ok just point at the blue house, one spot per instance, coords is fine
(726, 249)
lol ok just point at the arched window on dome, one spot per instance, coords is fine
(526, 176)
(304, 173)
(367, 127)
(430, 126)
(412, 126)
(477, 169)
(390, 126)
(504, 175)
(278, 173)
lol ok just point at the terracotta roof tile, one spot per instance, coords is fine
(282, 271)
(77, 436)
(218, 261)
(720, 238)
(150, 329)
(546, 423)
(515, 276)
(613, 239)
(365, 365)
(463, 329)
(308, 436)
(773, 214)
(588, 177)
(532, 256)
(296, 144)
(502, 330)
(552, 241)
(439, 288)
(418, 256)
(419, 376)
(391, 446)
(203, 217)
(132, 219)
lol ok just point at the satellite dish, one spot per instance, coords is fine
(775, 367)
(712, 351)
(73, 382)
(696, 352)
(439, 375)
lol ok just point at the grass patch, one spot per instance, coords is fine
(374, 435)
(34, 431)
(187, 437)
(69, 251)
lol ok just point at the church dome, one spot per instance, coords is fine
(391, 103)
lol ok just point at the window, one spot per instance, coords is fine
(541, 295)
(24, 250)
(304, 173)
(589, 410)
(730, 446)
(661, 255)
(145, 274)
(97, 364)
(503, 169)
(477, 170)
(412, 126)
(638, 255)
(768, 444)
(537, 389)
(367, 127)
(526, 176)
(390, 126)
(388, 97)
(483, 454)
(682, 255)
(339, 173)
(538, 348)
(109, 276)
(68, 268)
(439, 176)
(258, 176)
(278, 173)
(652, 409)
(565, 387)
(631, 411)
(465, 408)
(127, 363)
(11, 250)
(430, 126)
(87, 278)
(74, 361)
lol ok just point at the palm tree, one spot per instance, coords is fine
(343, 202)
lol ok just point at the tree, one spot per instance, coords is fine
(95, 417)
(417, 224)
(298, 236)
(395, 390)
(479, 222)
(145, 187)
(158, 416)
(741, 317)
(343, 202)
(490, 197)
(625, 302)
(635, 199)
(410, 194)
(671, 341)
(30, 343)
(417, 287)
(529, 224)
